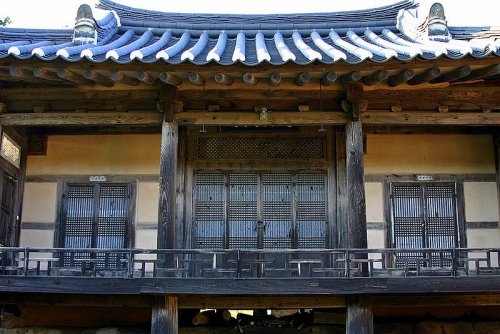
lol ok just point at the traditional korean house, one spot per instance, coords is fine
(341, 165)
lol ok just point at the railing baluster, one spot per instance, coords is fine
(130, 264)
(26, 261)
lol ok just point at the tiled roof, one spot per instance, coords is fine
(128, 34)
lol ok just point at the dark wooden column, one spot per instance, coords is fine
(356, 208)
(359, 316)
(496, 141)
(168, 169)
(165, 315)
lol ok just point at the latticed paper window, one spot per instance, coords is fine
(260, 148)
(424, 216)
(96, 216)
(282, 210)
(10, 150)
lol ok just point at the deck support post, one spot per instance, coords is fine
(356, 208)
(167, 196)
(359, 316)
(165, 315)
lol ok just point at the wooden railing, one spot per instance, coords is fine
(248, 263)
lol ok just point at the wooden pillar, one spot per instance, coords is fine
(356, 209)
(167, 196)
(496, 141)
(341, 194)
(359, 316)
(165, 315)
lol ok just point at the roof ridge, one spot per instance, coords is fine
(388, 10)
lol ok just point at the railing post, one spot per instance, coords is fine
(26, 261)
(130, 264)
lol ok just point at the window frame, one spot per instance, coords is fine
(260, 202)
(410, 179)
(62, 211)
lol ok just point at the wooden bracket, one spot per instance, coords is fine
(355, 108)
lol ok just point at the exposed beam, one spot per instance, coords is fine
(482, 73)
(73, 77)
(98, 78)
(223, 79)
(302, 78)
(375, 77)
(146, 78)
(246, 302)
(43, 73)
(81, 119)
(406, 117)
(329, 78)
(249, 79)
(169, 78)
(425, 76)
(453, 75)
(350, 77)
(124, 78)
(195, 79)
(275, 79)
(401, 77)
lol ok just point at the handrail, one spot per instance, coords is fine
(248, 263)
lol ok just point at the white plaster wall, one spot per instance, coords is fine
(98, 155)
(481, 202)
(432, 153)
(376, 238)
(39, 202)
(37, 238)
(374, 202)
(147, 202)
(145, 238)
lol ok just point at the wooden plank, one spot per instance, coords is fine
(439, 301)
(429, 118)
(81, 119)
(165, 316)
(252, 119)
(236, 287)
(359, 316)
(260, 302)
(168, 169)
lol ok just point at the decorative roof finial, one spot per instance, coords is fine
(85, 29)
(437, 28)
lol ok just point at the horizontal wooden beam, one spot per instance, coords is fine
(283, 287)
(429, 118)
(311, 118)
(81, 119)
(253, 302)
(253, 119)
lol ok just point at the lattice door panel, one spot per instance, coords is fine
(112, 222)
(277, 210)
(424, 216)
(79, 220)
(441, 228)
(209, 210)
(243, 210)
(311, 210)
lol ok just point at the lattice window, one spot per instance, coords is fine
(251, 210)
(260, 148)
(96, 216)
(424, 216)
